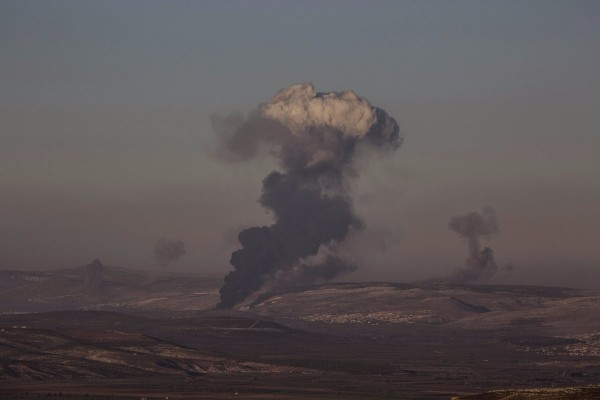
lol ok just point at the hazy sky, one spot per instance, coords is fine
(105, 137)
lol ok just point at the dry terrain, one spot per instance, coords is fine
(130, 337)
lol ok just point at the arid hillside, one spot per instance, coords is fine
(351, 340)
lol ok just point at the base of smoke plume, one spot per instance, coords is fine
(463, 275)
(315, 271)
(94, 276)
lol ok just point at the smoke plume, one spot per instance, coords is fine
(480, 263)
(167, 250)
(315, 137)
(308, 273)
(330, 268)
(94, 275)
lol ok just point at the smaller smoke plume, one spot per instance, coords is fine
(480, 263)
(167, 250)
(94, 275)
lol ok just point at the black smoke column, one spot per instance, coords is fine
(480, 263)
(315, 137)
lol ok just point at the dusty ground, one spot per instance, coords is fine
(334, 341)
(573, 393)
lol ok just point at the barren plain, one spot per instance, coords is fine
(128, 337)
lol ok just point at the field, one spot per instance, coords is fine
(355, 341)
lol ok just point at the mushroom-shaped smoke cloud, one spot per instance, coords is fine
(480, 263)
(315, 137)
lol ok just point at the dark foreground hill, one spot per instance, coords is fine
(573, 393)
(161, 338)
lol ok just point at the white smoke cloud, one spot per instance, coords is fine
(301, 109)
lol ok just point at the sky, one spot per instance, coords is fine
(106, 142)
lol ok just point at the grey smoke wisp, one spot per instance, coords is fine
(167, 250)
(480, 263)
(307, 273)
(94, 275)
(314, 136)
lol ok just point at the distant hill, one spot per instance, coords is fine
(97, 287)
(105, 330)
(381, 306)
